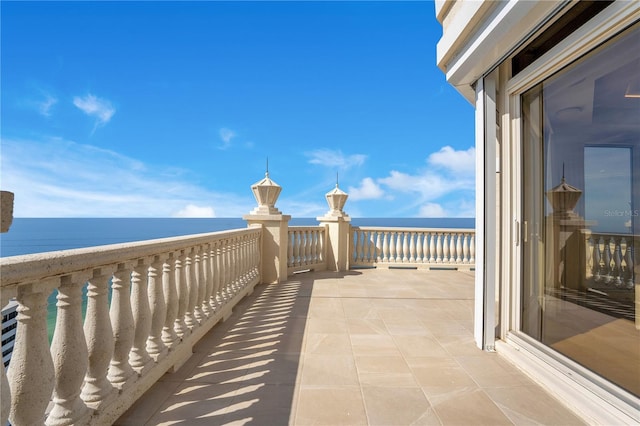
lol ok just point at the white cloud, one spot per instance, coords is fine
(460, 162)
(44, 107)
(58, 178)
(368, 190)
(226, 135)
(432, 210)
(191, 210)
(335, 158)
(100, 109)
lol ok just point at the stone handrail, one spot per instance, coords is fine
(421, 248)
(147, 304)
(306, 248)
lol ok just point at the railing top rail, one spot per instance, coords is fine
(30, 267)
(414, 229)
(306, 228)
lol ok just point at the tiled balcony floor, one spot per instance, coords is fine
(377, 347)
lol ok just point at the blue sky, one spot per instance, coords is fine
(163, 109)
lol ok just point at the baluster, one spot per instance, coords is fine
(378, 257)
(313, 241)
(207, 308)
(192, 290)
(432, 247)
(169, 336)
(217, 290)
(439, 248)
(459, 248)
(392, 246)
(69, 354)
(400, 252)
(290, 259)
(607, 262)
(370, 247)
(465, 249)
(139, 357)
(120, 372)
(180, 325)
(198, 285)
(419, 253)
(472, 249)
(385, 247)
(30, 373)
(405, 246)
(158, 309)
(425, 247)
(99, 335)
(597, 258)
(617, 262)
(446, 247)
(412, 247)
(307, 250)
(321, 245)
(359, 237)
(296, 250)
(628, 256)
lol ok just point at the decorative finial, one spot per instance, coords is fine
(267, 172)
(336, 179)
(563, 180)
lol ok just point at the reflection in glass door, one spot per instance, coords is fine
(580, 198)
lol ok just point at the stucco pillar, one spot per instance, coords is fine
(6, 210)
(338, 225)
(275, 230)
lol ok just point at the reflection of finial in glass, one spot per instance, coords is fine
(267, 172)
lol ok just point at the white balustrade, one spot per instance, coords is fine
(94, 370)
(611, 260)
(306, 248)
(412, 247)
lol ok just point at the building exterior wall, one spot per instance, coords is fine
(479, 41)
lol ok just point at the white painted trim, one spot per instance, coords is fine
(594, 407)
(478, 313)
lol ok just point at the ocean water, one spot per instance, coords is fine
(30, 235)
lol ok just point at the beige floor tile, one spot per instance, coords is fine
(417, 346)
(324, 370)
(531, 405)
(366, 326)
(327, 343)
(397, 406)
(331, 406)
(370, 344)
(490, 370)
(327, 326)
(472, 407)
(381, 364)
(396, 380)
(145, 407)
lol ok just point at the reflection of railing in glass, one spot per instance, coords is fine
(612, 260)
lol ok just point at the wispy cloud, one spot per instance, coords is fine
(59, 178)
(367, 190)
(335, 158)
(191, 210)
(226, 135)
(44, 106)
(101, 109)
(432, 210)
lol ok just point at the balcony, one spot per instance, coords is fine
(328, 324)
